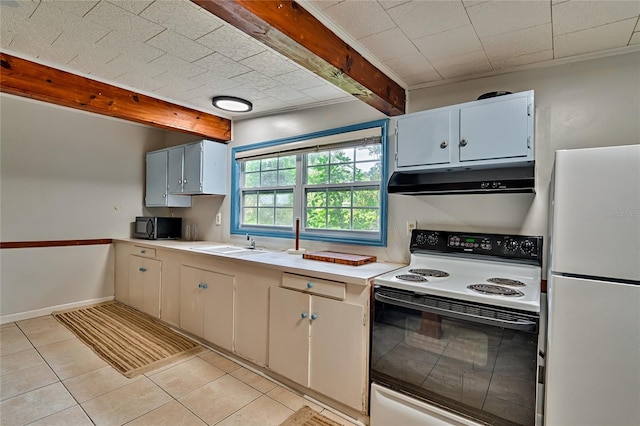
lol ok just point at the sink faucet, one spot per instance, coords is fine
(252, 242)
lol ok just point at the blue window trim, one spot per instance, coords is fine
(235, 187)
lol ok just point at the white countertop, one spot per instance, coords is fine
(280, 260)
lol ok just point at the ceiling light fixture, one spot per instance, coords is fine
(231, 103)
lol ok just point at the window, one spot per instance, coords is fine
(333, 181)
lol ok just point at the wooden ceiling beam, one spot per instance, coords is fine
(288, 28)
(31, 80)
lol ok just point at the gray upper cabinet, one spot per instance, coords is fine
(475, 134)
(192, 169)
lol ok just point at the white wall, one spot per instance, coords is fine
(585, 104)
(65, 175)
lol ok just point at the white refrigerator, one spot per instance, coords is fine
(593, 337)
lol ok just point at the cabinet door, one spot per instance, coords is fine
(175, 170)
(337, 351)
(156, 182)
(192, 172)
(289, 334)
(424, 138)
(494, 130)
(144, 284)
(218, 309)
(192, 300)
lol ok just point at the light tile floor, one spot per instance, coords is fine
(49, 377)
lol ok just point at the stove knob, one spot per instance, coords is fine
(511, 245)
(527, 246)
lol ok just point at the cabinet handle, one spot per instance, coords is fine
(179, 180)
(143, 269)
(304, 315)
(444, 144)
(143, 251)
(314, 316)
(309, 285)
(202, 285)
(463, 142)
(164, 195)
(184, 181)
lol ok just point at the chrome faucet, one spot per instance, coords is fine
(252, 242)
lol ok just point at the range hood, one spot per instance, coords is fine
(518, 179)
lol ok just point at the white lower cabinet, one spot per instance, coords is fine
(318, 342)
(145, 277)
(206, 305)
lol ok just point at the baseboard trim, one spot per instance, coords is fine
(47, 311)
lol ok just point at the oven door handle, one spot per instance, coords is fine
(520, 324)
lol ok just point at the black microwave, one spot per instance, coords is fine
(158, 228)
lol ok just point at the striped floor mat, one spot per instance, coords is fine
(308, 417)
(131, 341)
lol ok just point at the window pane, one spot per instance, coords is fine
(284, 199)
(316, 198)
(252, 166)
(266, 199)
(250, 216)
(368, 172)
(287, 162)
(318, 158)
(366, 220)
(366, 198)
(339, 198)
(316, 218)
(317, 175)
(269, 164)
(287, 177)
(250, 200)
(269, 179)
(252, 180)
(339, 219)
(368, 153)
(342, 173)
(284, 217)
(265, 216)
(342, 156)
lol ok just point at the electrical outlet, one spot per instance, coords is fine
(218, 219)
(411, 225)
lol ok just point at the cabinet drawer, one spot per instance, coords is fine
(144, 252)
(314, 285)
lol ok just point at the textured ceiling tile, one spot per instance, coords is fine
(462, 65)
(360, 18)
(225, 67)
(256, 80)
(32, 39)
(230, 43)
(388, 44)
(530, 58)
(213, 81)
(78, 8)
(113, 17)
(140, 81)
(457, 41)
(499, 17)
(269, 63)
(323, 4)
(325, 93)
(516, 43)
(421, 18)
(388, 4)
(12, 17)
(178, 66)
(119, 42)
(92, 58)
(413, 65)
(285, 93)
(573, 16)
(133, 6)
(179, 45)
(300, 79)
(594, 39)
(182, 17)
(176, 87)
(635, 38)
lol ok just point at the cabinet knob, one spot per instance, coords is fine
(444, 144)
(184, 181)
(304, 315)
(463, 142)
(309, 285)
(143, 269)
(143, 251)
(314, 316)
(179, 180)
(202, 285)
(164, 195)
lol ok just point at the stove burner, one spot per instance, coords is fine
(411, 277)
(506, 281)
(435, 273)
(495, 290)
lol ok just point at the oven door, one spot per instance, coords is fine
(474, 360)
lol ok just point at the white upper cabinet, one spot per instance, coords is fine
(192, 169)
(475, 134)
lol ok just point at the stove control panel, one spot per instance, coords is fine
(498, 245)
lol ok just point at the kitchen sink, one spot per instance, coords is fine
(228, 250)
